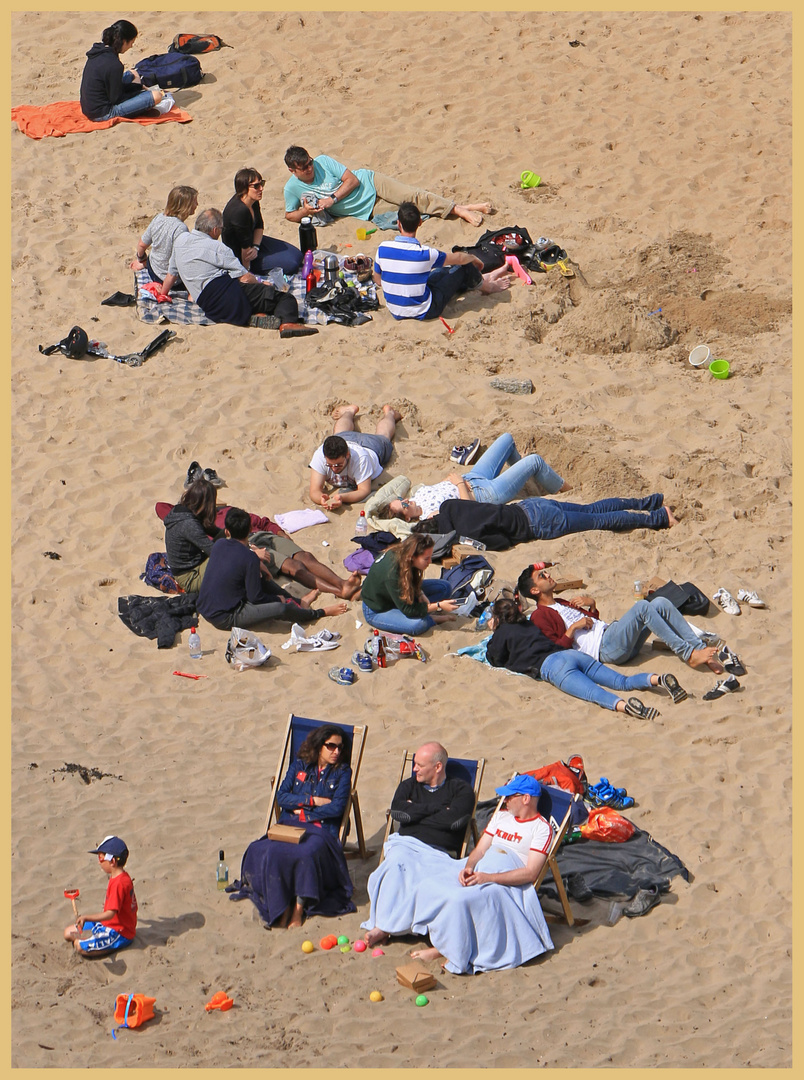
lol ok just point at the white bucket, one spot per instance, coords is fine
(700, 355)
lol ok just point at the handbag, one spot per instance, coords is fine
(688, 598)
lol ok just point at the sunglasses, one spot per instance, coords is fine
(258, 184)
(333, 746)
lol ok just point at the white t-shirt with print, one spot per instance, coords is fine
(362, 464)
(430, 496)
(519, 837)
(585, 641)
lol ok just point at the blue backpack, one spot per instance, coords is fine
(472, 573)
(169, 71)
(158, 574)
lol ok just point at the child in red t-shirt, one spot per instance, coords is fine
(115, 926)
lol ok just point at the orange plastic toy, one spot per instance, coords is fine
(219, 1001)
(131, 1010)
(328, 942)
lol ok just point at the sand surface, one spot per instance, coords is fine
(664, 146)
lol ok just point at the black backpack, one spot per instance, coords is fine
(190, 44)
(169, 71)
(493, 246)
(688, 598)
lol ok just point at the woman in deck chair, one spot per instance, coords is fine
(481, 915)
(286, 881)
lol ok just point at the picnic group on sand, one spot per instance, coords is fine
(480, 912)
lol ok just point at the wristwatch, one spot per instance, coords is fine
(438, 606)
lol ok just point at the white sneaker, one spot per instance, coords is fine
(165, 105)
(726, 602)
(746, 596)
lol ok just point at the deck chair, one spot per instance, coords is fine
(299, 727)
(557, 807)
(468, 769)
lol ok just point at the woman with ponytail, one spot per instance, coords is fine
(107, 89)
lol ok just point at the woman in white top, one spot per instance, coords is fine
(162, 232)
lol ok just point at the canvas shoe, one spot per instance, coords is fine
(465, 455)
(748, 596)
(726, 602)
(725, 686)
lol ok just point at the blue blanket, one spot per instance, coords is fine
(478, 927)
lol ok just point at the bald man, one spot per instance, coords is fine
(430, 807)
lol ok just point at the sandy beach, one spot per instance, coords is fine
(663, 141)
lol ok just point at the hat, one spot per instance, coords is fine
(521, 785)
(110, 845)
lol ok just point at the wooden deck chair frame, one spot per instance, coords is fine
(303, 725)
(453, 764)
(552, 864)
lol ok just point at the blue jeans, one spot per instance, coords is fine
(447, 282)
(582, 677)
(489, 486)
(623, 639)
(550, 519)
(273, 253)
(395, 622)
(380, 444)
(132, 105)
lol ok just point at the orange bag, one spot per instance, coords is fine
(605, 823)
(568, 775)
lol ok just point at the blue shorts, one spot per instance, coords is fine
(382, 446)
(103, 939)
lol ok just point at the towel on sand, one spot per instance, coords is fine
(65, 118)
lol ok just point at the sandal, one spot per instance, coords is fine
(673, 687)
(634, 707)
(344, 676)
(719, 690)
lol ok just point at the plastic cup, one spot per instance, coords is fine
(700, 355)
(720, 369)
(529, 179)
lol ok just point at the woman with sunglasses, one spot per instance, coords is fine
(244, 231)
(395, 596)
(286, 881)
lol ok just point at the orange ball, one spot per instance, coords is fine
(326, 943)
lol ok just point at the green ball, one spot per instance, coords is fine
(343, 940)
(422, 999)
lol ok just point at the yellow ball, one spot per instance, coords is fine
(375, 995)
(307, 946)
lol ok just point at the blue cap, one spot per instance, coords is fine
(110, 845)
(521, 785)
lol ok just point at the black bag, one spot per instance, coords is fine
(688, 598)
(169, 71)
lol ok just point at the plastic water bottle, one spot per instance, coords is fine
(195, 644)
(222, 872)
(277, 279)
(361, 528)
(307, 263)
(484, 616)
(308, 238)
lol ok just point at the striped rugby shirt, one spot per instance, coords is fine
(404, 265)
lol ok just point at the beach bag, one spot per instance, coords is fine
(472, 574)
(169, 71)
(190, 44)
(245, 650)
(688, 598)
(158, 574)
(561, 774)
(605, 823)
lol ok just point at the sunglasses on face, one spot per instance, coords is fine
(258, 184)
(333, 746)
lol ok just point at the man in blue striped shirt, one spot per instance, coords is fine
(419, 281)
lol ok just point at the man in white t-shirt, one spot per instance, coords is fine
(347, 461)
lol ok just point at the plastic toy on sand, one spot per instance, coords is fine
(328, 942)
(360, 946)
(375, 995)
(422, 999)
(529, 179)
(342, 940)
(378, 951)
(307, 946)
(72, 894)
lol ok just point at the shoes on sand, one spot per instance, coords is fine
(344, 676)
(265, 322)
(730, 661)
(465, 455)
(195, 472)
(289, 329)
(673, 687)
(748, 596)
(644, 900)
(725, 686)
(362, 660)
(726, 602)
(634, 707)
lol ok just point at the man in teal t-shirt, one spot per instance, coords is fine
(322, 183)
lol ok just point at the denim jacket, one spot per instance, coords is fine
(302, 782)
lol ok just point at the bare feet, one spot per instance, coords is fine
(472, 212)
(444, 618)
(309, 597)
(376, 937)
(497, 281)
(354, 583)
(427, 954)
(671, 519)
(336, 609)
(390, 409)
(297, 917)
(343, 410)
(707, 656)
(565, 487)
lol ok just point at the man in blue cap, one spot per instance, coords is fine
(519, 828)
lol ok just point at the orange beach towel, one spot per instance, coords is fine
(65, 118)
